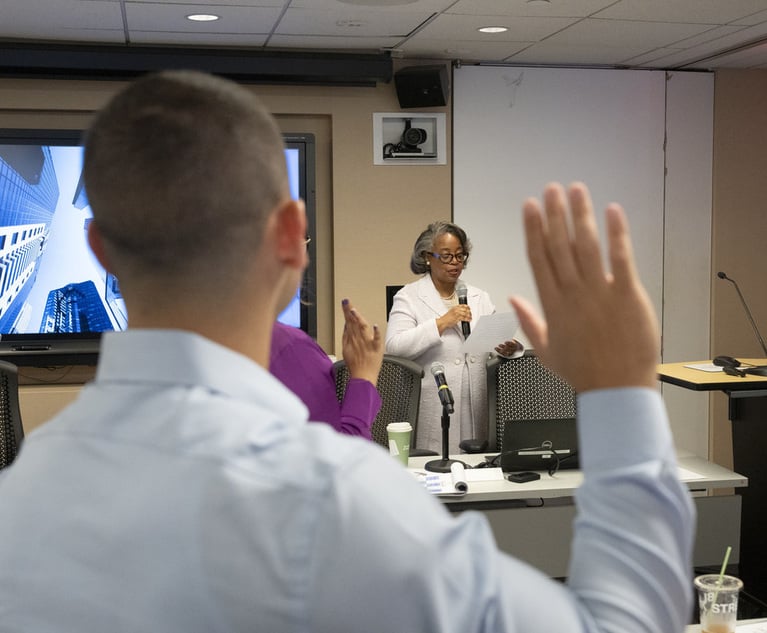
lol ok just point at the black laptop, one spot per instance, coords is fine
(543, 444)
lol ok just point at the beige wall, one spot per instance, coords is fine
(739, 231)
(368, 216)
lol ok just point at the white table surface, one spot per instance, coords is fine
(565, 482)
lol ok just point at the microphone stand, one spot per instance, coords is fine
(754, 370)
(443, 465)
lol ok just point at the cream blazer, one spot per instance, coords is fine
(412, 332)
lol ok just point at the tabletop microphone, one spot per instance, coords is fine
(445, 397)
(761, 370)
(462, 291)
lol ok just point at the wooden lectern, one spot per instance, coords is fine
(747, 397)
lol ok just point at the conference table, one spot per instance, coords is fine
(747, 412)
(533, 520)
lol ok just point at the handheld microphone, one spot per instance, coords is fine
(762, 370)
(445, 397)
(462, 291)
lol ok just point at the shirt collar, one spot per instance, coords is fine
(176, 357)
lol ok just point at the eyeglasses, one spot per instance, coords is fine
(447, 258)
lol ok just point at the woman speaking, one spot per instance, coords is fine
(426, 325)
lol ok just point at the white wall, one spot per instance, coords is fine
(515, 129)
(687, 248)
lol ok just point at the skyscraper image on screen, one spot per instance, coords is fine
(55, 298)
(51, 283)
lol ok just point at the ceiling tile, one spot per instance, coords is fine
(275, 4)
(755, 18)
(721, 44)
(698, 11)
(66, 35)
(361, 22)
(158, 38)
(554, 9)
(711, 35)
(464, 50)
(649, 58)
(549, 52)
(171, 18)
(367, 44)
(617, 33)
(36, 18)
(521, 29)
(342, 8)
(755, 57)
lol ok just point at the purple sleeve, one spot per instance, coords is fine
(304, 368)
(360, 407)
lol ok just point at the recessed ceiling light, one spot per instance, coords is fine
(538, 1)
(203, 17)
(493, 29)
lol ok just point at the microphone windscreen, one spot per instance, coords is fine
(461, 290)
(437, 368)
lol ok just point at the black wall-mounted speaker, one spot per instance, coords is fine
(421, 86)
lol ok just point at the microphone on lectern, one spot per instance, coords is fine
(760, 370)
(445, 397)
(721, 275)
(462, 292)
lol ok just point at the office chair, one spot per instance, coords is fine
(11, 430)
(523, 389)
(399, 383)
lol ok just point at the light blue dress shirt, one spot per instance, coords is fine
(184, 491)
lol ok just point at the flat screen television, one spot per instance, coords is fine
(55, 299)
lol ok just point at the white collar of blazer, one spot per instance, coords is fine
(429, 295)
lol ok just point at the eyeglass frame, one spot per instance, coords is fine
(451, 256)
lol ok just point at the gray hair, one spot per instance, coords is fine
(425, 243)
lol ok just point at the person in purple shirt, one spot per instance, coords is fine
(302, 365)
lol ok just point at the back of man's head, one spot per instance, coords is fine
(181, 170)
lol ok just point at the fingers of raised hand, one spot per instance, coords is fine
(559, 246)
(377, 339)
(585, 234)
(595, 319)
(537, 252)
(532, 324)
(619, 246)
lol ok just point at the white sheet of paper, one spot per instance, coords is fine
(704, 367)
(484, 474)
(490, 331)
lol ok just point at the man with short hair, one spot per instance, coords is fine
(184, 490)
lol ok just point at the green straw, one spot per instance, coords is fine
(721, 572)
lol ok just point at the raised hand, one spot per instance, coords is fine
(600, 328)
(362, 345)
